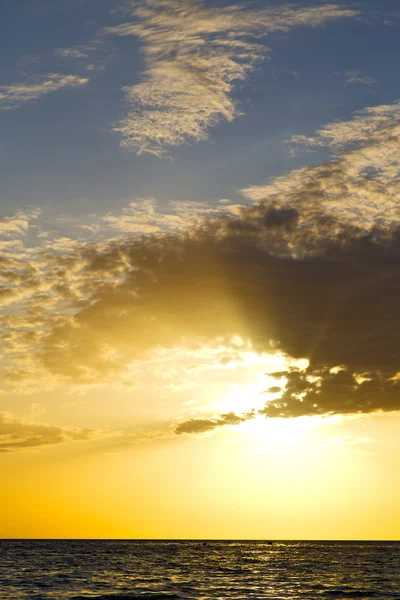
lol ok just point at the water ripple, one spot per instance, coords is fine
(131, 570)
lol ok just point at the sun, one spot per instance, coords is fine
(271, 435)
(260, 434)
(245, 398)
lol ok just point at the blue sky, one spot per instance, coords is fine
(59, 152)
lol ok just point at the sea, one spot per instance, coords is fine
(198, 570)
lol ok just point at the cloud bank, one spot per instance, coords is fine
(320, 289)
(311, 270)
(193, 56)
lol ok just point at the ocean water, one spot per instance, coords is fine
(150, 570)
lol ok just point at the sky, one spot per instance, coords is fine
(199, 269)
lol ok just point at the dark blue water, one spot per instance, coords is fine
(113, 570)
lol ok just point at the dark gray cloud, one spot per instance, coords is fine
(321, 289)
(203, 425)
(322, 392)
(281, 217)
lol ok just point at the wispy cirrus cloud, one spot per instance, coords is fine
(14, 95)
(355, 77)
(91, 56)
(72, 52)
(194, 54)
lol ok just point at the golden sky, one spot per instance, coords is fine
(199, 336)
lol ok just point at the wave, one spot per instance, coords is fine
(129, 596)
(350, 593)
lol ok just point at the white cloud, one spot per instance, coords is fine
(361, 183)
(18, 224)
(71, 53)
(12, 96)
(139, 217)
(142, 216)
(85, 52)
(372, 125)
(193, 55)
(355, 77)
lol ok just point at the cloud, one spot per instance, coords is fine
(354, 77)
(16, 434)
(325, 392)
(204, 425)
(361, 185)
(14, 95)
(292, 278)
(143, 217)
(193, 56)
(321, 288)
(92, 56)
(18, 224)
(311, 270)
(369, 127)
(71, 52)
